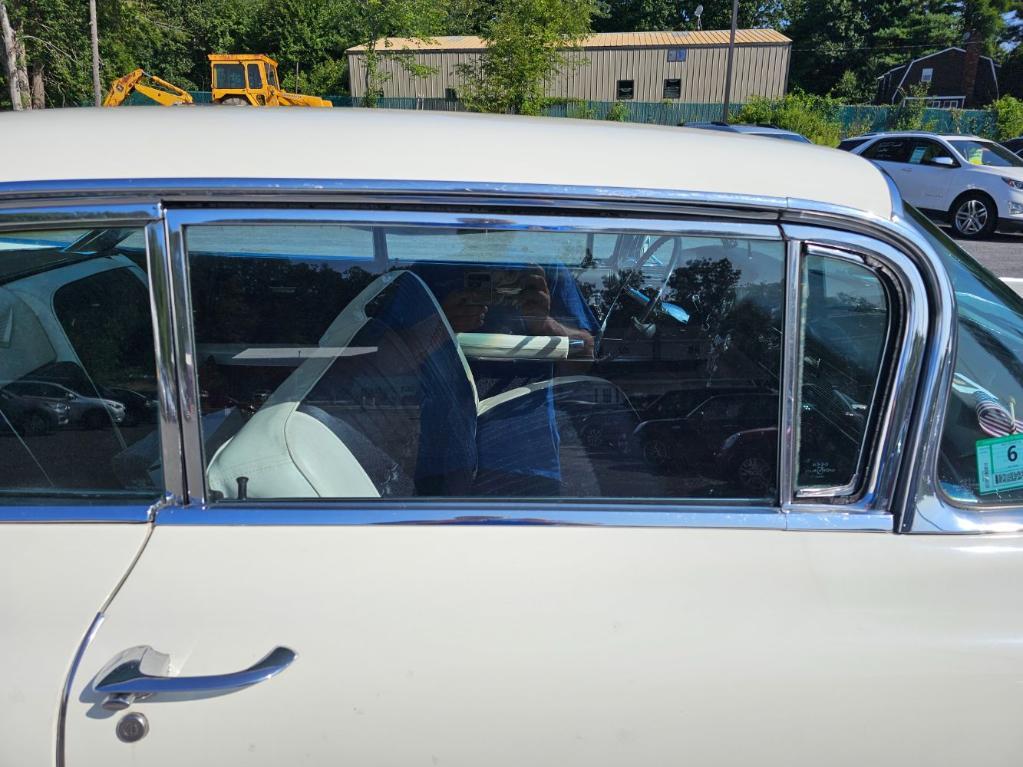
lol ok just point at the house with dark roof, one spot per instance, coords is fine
(955, 78)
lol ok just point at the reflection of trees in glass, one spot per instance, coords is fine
(612, 286)
(269, 300)
(107, 320)
(706, 289)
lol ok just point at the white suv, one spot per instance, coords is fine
(976, 184)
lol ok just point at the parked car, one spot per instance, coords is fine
(766, 131)
(973, 183)
(31, 415)
(138, 407)
(394, 555)
(86, 411)
(1014, 145)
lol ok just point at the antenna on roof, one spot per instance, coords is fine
(698, 13)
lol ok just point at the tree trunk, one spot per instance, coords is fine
(10, 57)
(21, 70)
(38, 86)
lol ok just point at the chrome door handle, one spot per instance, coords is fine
(139, 672)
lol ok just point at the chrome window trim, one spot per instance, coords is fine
(847, 225)
(97, 507)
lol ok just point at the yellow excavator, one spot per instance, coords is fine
(238, 80)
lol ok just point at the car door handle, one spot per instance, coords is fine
(139, 672)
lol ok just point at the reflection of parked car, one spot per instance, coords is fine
(90, 412)
(692, 438)
(31, 415)
(974, 183)
(600, 425)
(766, 131)
(138, 407)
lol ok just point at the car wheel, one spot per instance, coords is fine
(974, 215)
(36, 425)
(95, 419)
(754, 473)
(656, 453)
(234, 101)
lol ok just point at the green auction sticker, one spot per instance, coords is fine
(1000, 463)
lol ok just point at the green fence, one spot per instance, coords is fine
(851, 119)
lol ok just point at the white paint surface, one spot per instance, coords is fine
(511, 646)
(212, 142)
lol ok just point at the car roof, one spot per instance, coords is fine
(151, 143)
(920, 133)
(740, 128)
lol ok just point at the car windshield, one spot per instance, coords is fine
(986, 153)
(986, 401)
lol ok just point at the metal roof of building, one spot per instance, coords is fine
(709, 37)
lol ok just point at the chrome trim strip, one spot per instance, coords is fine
(163, 333)
(65, 694)
(187, 374)
(103, 511)
(373, 512)
(788, 447)
(833, 519)
(81, 216)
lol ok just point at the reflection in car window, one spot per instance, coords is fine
(405, 361)
(78, 406)
(986, 153)
(889, 150)
(987, 388)
(845, 329)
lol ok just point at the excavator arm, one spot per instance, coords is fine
(156, 88)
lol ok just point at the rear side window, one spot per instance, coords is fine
(78, 405)
(981, 457)
(845, 333)
(851, 143)
(538, 361)
(889, 150)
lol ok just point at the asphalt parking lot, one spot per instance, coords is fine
(1002, 254)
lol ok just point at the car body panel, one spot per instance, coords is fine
(56, 579)
(538, 645)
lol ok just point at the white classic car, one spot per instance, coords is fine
(493, 440)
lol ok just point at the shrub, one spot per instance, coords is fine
(619, 112)
(1008, 115)
(816, 117)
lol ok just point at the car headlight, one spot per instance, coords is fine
(1014, 183)
(729, 443)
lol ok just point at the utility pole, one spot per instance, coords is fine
(95, 52)
(731, 55)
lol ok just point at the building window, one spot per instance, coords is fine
(451, 94)
(927, 75)
(676, 55)
(673, 89)
(625, 90)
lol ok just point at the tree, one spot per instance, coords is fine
(528, 41)
(641, 15)
(12, 46)
(371, 21)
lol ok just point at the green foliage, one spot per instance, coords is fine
(1008, 112)
(910, 113)
(816, 117)
(527, 42)
(619, 112)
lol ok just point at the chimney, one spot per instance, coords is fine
(972, 60)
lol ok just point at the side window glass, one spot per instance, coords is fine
(255, 79)
(230, 76)
(924, 152)
(889, 150)
(401, 361)
(845, 330)
(78, 403)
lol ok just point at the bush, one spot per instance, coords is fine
(1008, 114)
(815, 117)
(619, 112)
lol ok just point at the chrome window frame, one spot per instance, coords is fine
(914, 464)
(146, 215)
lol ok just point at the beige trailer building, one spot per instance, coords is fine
(612, 66)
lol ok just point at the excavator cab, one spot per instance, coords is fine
(251, 80)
